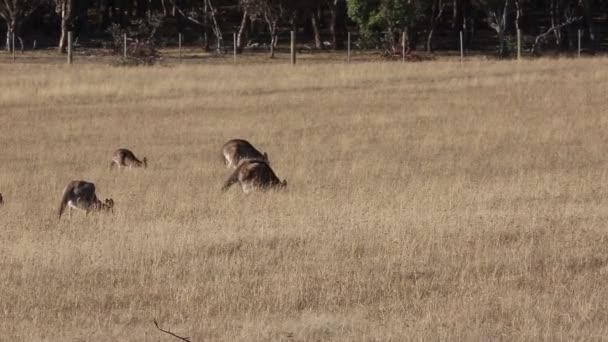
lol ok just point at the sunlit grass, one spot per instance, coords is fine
(425, 201)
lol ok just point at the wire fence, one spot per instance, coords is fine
(345, 47)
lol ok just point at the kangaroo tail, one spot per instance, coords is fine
(64, 201)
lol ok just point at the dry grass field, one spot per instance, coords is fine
(425, 202)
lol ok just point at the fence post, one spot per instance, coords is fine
(403, 47)
(179, 46)
(461, 48)
(70, 47)
(234, 45)
(124, 46)
(518, 44)
(348, 48)
(579, 42)
(293, 47)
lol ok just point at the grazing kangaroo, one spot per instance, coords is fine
(125, 158)
(237, 149)
(81, 195)
(254, 174)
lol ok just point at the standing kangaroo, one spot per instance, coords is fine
(125, 158)
(81, 195)
(254, 174)
(237, 149)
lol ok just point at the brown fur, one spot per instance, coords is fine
(1, 200)
(125, 158)
(238, 149)
(80, 194)
(254, 174)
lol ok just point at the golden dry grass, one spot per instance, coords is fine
(425, 202)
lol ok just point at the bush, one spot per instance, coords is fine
(508, 47)
(141, 42)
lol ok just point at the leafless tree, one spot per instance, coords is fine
(208, 11)
(65, 9)
(315, 18)
(497, 19)
(334, 10)
(14, 12)
(268, 10)
(437, 8)
(241, 31)
(551, 29)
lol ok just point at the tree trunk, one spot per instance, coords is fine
(239, 35)
(436, 12)
(12, 33)
(332, 26)
(429, 37)
(390, 38)
(457, 14)
(164, 7)
(315, 17)
(412, 39)
(104, 15)
(465, 32)
(589, 19)
(8, 37)
(272, 28)
(273, 41)
(216, 28)
(553, 11)
(518, 14)
(498, 22)
(66, 18)
(206, 27)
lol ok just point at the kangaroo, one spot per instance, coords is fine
(81, 195)
(1, 200)
(125, 158)
(237, 149)
(254, 174)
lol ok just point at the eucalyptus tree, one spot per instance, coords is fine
(391, 17)
(14, 13)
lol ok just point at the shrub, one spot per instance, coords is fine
(141, 42)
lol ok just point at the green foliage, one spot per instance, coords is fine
(508, 47)
(141, 44)
(390, 16)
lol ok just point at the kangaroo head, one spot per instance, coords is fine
(108, 204)
(145, 162)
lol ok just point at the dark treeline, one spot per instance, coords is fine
(488, 25)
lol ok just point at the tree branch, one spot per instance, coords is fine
(188, 17)
(441, 8)
(187, 339)
(551, 29)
